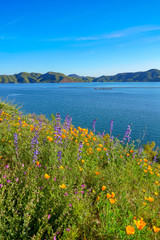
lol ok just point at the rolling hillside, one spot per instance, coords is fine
(152, 75)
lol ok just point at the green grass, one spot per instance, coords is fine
(58, 182)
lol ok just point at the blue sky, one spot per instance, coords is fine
(84, 37)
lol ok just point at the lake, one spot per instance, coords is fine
(125, 103)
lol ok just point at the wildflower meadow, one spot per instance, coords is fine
(59, 182)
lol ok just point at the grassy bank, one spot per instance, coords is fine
(58, 182)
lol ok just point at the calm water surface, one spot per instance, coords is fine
(125, 103)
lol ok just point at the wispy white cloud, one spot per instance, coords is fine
(81, 38)
(121, 33)
(140, 29)
(11, 22)
(101, 37)
(113, 35)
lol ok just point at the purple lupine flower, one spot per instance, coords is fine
(35, 155)
(155, 158)
(1, 185)
(33, 142)
(127, 134)
(34, 145)
(102, 134)
(140, 150)
(40, 123)
(54, 238)
(8, 181)
(67, 122)
(80, 150)
(57, 129)
(16, 143)
(7, 166)
(111, 127)
(59, 155)
(94, 125)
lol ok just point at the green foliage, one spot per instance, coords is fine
(54, 187)
(149, 150)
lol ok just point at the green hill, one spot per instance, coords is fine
(152, 75)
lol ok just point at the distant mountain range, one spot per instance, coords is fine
(152, 75)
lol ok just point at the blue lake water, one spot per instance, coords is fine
(125, 103)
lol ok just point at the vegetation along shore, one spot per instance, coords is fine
(152, 75)
(59, 182)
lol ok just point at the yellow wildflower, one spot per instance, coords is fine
(46, 176)
(63, 186)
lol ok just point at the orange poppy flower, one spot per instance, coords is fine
(63, 186)
(130, 230)
(112, 201)
(140, 224)
(108, 195)
(156, 229)
(113, 195)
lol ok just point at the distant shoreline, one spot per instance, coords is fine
(152, 75)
